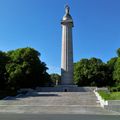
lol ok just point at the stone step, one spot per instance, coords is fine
(54, 103)
(56, 110)
(52, 98)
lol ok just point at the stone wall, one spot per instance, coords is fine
(65, 88)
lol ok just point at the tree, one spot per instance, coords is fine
(114, 68)
(97, 73)
(25, 69)
(90, 72)
(81, 72)
(118, 52)
(116, 73)
(55, 78)
(3, 61)
(111, 66)
(111, 63)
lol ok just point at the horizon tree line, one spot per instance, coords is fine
(22, 68)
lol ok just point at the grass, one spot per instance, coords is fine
(109, 96)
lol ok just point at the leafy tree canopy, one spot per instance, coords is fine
(116, 73)
(25, 69)
(3, 61)
(118, 52)
(90, 72)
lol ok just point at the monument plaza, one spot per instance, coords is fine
(65, 98)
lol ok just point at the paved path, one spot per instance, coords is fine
(56, 117)
(54, 103)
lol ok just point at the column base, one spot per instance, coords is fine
(67, 88)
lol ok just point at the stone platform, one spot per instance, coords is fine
(65, 88)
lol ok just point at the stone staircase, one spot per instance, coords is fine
(54, 103)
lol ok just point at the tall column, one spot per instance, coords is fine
(67, 49)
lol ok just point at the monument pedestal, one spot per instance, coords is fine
(67, 88)
(59, 88)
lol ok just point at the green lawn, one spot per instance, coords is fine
(109, 96)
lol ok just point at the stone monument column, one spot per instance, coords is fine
(67, 49)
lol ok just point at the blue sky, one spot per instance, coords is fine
(36, 24)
